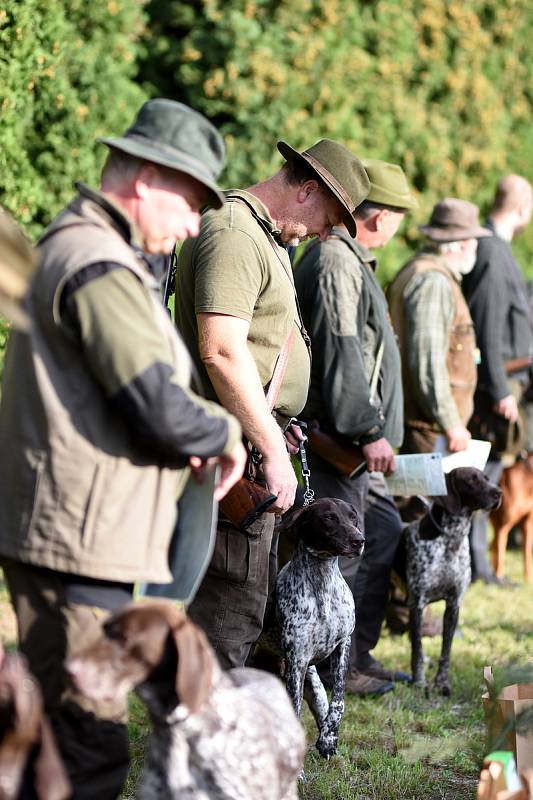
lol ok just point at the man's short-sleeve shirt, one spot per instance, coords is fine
(235, 268)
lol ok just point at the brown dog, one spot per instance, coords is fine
(216, 735)
(516, 509)
(25, 733)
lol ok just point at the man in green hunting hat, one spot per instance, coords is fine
(236, 308)
(356, 395)
(100, 423)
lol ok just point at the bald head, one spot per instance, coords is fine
(511, 192)
(513, 203)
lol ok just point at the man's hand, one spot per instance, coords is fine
(293, 434)
(231, 468)
(281, 479)
(379, 456)
(507, 407)
(458, 438)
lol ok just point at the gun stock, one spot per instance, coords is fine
(518, 364)
(347, 458)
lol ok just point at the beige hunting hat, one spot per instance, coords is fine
(453, 220)
(388, 185)
(17, 264)
(341, 171)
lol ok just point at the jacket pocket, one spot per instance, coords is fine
(236, 555)
(93, 507)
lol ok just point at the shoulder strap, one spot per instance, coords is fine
(279, 372)
(264, 227)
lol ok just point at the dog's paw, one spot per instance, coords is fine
(442, 685)
(326, 746)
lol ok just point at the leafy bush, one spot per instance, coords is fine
(67, 75)
(444, 88)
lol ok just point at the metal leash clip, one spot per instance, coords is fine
(309, 495)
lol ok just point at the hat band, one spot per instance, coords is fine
(329, 179)
(171, 152)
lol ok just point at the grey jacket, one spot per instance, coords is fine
(345, 312)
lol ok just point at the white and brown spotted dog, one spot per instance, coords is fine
(216, 735)
(438, 561)
(312, 614)
(26, 737)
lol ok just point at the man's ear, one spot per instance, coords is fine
(144, 180)
(306, 189)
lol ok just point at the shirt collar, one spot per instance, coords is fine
(112, 214)
(259, 208)
(364, 255)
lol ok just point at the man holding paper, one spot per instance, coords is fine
(356, 397)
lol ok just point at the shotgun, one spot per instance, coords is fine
(518, 364)
(347, 458)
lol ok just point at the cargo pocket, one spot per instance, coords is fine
(236, 555)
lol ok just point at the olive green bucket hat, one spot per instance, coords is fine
(341, 171)
(17, 264)
(388, 185)
(172, 134)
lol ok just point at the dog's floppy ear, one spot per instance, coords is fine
(290, 520)
(51, 780)
(450, 502)
(196, 661)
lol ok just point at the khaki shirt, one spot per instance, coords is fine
(233, 268)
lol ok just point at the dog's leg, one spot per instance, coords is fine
(527, 527)
(498, 547)
(417, 653)
(316, 696)
(294, 681)
(451, 616)
(329, 732)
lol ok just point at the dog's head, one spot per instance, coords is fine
(327, 526)
(149, 644)
(23, 727)
(469, 489)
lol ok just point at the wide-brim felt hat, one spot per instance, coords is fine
(339, 169)
(389, 185)
(453, 220)
(172, 134)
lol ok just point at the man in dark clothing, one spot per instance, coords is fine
(356, 394)
(498, 302)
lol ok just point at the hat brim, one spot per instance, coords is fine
(168, 157)
(289, 152)
(453, 234)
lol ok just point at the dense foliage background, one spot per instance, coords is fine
(443, 87)
(66, 77)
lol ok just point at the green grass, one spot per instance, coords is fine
(406, 746)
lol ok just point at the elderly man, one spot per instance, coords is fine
(435, 331)
(356, 396)
(236, 306)
(99, 421)
(498, 302)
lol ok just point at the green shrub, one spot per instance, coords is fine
(67, 76)
(444, 88)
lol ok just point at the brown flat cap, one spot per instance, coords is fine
(453, 220)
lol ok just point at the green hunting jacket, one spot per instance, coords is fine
(97, 420)
(345, 313)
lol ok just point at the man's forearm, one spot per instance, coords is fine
(236, 381)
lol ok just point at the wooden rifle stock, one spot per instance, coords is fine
(518, 364)
(347, 458)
